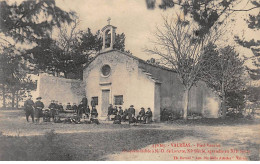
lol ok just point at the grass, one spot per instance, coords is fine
(83, 146)
(49, 141)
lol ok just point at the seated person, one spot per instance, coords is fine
(94, 113)
(87, 112)
(61, 107)
(115, 110)
(125, 115)
(148, 116)
(117, 119)
(46, 115)
(121, 112)
(141, 115)
(75, 108)
(109, 111)
(68, 107)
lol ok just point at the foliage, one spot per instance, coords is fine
(206, 13)
(31, 20)
(70, 51)
(24, 22)
(223, 71)
(13, 74)
(253, 45)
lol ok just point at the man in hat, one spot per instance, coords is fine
(85, 101)
(131, 114)
(28, 107)
(52, 108)
(148, 116)
(68, 107)
(80, 109)
(38, 109)
(141, 115)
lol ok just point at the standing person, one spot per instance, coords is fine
(38, 109)
(148, 116)
(93, 104)
(131, 114)
(80, 109)
(74, 107)
(52, 108)
(85, 101)
(28, 107)
(109, 111)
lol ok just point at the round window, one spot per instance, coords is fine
(106, 70)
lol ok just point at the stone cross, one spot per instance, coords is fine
(108, 20)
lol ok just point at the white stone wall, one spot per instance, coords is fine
(60, 89)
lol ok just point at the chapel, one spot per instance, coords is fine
(122, 79)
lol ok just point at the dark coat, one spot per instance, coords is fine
(142, 112)
(80, 109)
(61, 108)
(121, 112)
(68, 107)
(75, 108)
(39, 104)
(131, 111)
(110, 110)
(84, 101)
(149, 114)
(93, 103)
(115, 111)
(52, 106)
(87, 110)
(28, 105)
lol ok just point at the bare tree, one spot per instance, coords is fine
(181, 49)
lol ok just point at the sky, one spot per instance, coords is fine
(139, 24)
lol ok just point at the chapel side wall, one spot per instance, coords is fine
(171, 88)
(59, 89)
(201, 98)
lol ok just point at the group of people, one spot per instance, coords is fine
(36, 110)
(119, 115)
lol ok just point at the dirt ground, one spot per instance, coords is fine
(210, 139)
